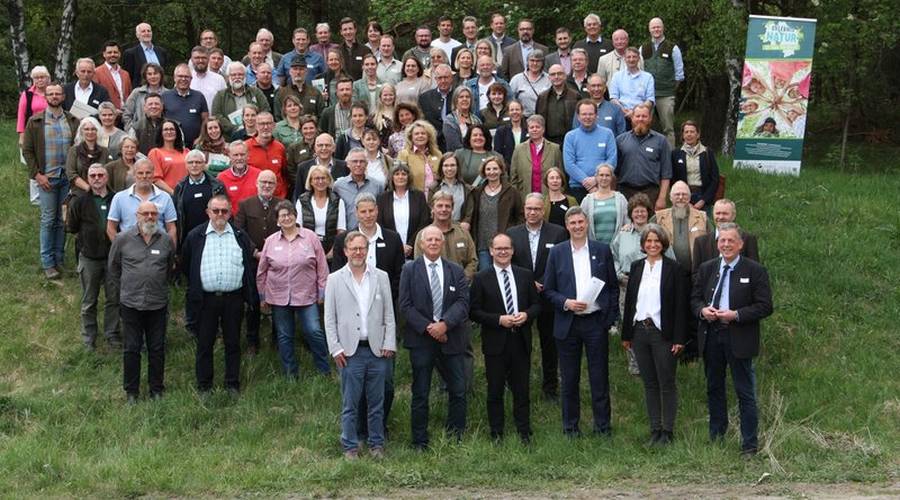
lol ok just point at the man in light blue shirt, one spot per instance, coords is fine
(350, 186)
(608, 114)
(123, 209)
(586, 147)
(314, 62)
(633, 86)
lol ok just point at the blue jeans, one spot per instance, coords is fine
(717, 357)
(53, 236)
(585, 335)
(423, 362)
(286, 319)
(484, 259)
(364, 374)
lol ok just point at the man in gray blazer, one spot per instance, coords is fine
(360, 339)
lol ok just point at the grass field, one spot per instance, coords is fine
(828, 384)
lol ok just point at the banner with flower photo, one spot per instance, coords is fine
(774, 94)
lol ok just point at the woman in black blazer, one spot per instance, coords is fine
(693, 156)
(403, 206)
(655, 326)
(511, 133)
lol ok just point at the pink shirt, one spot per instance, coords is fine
(292, 272)
(38, 104)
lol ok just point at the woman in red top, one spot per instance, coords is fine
(168, 156)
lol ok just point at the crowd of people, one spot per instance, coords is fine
(375, 202)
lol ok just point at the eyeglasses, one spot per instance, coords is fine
(96, 176)
(148, 214)
(357, 249)
(220, 211)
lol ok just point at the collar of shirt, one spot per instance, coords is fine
(584, 247)
(375, 237)
(598, 40)
(428, 263)
(731, 264)
(147, 46)
(114, 69)
(499, 270)
(154, 191)
(87, 90)
(329, 164)
(538, 146)
(211, 229)
(234, 172)
(265, 201)
(194, 183)
(401, 198)
(656, 43)
(534, 232)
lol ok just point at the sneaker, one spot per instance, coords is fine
(51, 273)
(377, 453)
(351, 455)
(131, 399)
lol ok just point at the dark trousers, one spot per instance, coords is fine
(511, 367)
(225, 310)
(139, 327)
(423, 361)
(652, 191)
(657, 364)
(584, 335)
(717, 356)
(549, 356)
(253, 316)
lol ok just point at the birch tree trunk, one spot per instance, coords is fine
(735, 66)
(64, 44)
(18, 42)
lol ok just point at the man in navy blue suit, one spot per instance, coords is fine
(434, 297)
(573, 268)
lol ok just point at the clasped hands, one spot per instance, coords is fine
(438, 331)
(711, 314)
(513, 320)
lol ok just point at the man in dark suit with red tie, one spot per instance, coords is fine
(504, 301)
(531, 243)
(731, 295)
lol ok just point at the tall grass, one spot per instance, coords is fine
(828, 389)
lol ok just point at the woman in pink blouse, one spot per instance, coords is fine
(291, 280)
(32, 101)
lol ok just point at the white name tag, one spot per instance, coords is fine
(601, 145)
(745, 280)
(200, 195)
(460, 244)
(167, 158)
(380, 245)
(607, 118)
(680, 161)
(192, 110)
(232, 188)
(548, 245)
(310, 66)
(452, 288)
(506, 118)
(649, 150)
(302, 151)
(563, 207)
(665, 55)
(102, 207)
(278, 249)
(359, 58)
(593, 257)
(313, 100)
(695, 229)
(275, 161)
(154, 251)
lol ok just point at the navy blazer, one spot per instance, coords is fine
(505, 143)
(674, 292)
(709, 174)
(559, 285)
(389, 257)
(488, 304)
(417, 307)
(133, 61)
(98, 95)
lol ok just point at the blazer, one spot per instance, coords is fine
(520, 165)
(451, 131)
(98, 95)
(696, 225)
(551, 234)
(419, 213)
(104, 78)
(258, 222)
(559, 285)
(338, 169)
(512, 63)
(417, 306)
(674, 291)
(342, 321)
(748, 294)
(709, 174)
(505, 142)
(192, 258)
(430, 104)
(133, 61)
(705, 248)
(488, 304)
(389, 256)
(553, 58)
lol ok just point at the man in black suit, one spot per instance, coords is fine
(134, 58)
(515, 56)
(84, 89)
(435, 103)
(730, 297)
(705, 247)
(580, 324)
(324, 146)
(504, 301)
(531, 243)
(437, 328)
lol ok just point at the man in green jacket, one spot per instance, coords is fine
(229, 103)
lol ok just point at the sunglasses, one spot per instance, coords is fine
(220, 211)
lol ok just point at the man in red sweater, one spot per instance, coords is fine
(265, 152)
(239, 179)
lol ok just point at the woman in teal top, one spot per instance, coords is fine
(607, 210)
(287, 131)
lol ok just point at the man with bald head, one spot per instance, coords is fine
(139, 262)
(682, 222)
(324, 156)
(611, 63)
(662, 59)
(557, 105)
(134, 58)
(87, 221)
(724, 211)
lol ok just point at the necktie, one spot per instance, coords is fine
(437, 295)
(718, 296)
(507, 293)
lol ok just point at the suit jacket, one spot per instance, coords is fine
(104, 78)
(709, 174)
(342, 321)
(430, 104)
(389, 256)
(512, 63)
(98, 95)
(505, 142)
(257, 221)
(419, 213)
(674, 291)
(559, 285)
(705, 249)
(749, 294)
(553, 58)
(697, 225)
(338, 169)
(551, 234)
(520, 166)
(133, 61)
(488, 304)
(417, 306)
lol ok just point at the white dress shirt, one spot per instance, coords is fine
(117, 77)
(581, 262)
(401, 214)
(83, 95)
(373, 240)
(362, 289)
(649, 302)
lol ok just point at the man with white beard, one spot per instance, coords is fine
(139, 263)
(683, 223)
(234, 97)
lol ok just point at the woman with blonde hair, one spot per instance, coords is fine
(422, 154)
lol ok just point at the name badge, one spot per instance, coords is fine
(232, 188)
(275, 161)
(563, 207)
(665, 55)
(359, 58)
(548, 245)
(593, 257)
(680, 161)
(607, 118)
(278, 249)
(167, 158)
(506, 118)
(154, 251)
(380, 245)
(310, 66)
(601, 144)
(102, 207)
(313, 100)
(649, 150)
(95, 101)
(302, 151)
(745, 280)
(452, 288)
(695, 229)
(460, 244)
(192, 110)
(200, 195)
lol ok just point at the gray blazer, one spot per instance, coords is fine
(342, 319)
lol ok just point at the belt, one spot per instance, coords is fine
(223, 294)
(646, 323)
(363, 343)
